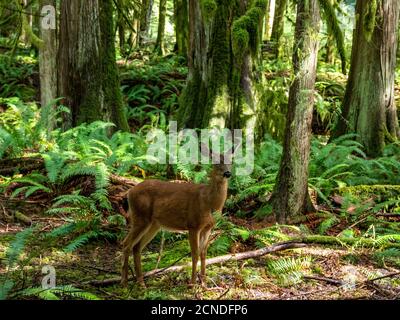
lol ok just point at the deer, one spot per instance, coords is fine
(176, 207)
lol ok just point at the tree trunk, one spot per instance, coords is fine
(369, 108)
(290, 196)
(48, 66)
(269, 19)
(330, 46)
(88, 76)
(224, 41)
(278, 25)
(181, 27)
(159, 48)
(121, 28)
(145, 16)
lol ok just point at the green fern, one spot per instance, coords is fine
(289, 271)
(57, 293)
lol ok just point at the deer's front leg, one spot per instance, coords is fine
(204, 236)
(194, 246)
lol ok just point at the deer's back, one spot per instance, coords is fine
(175, 206)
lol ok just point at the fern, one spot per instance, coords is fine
(57, 292)
(17, 246)
(12, 256)
(289, 271)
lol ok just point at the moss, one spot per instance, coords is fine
(379, 192)
(208, 8)
(240, 38)
(246, 31)
(370, 18)
(113, 101)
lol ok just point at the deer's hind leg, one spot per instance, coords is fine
(136, 232)
(194, 247)
(137, 251)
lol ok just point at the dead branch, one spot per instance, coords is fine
(325, 279)
(221, 259)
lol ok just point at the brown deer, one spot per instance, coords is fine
(155, 204)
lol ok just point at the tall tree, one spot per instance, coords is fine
(181, 17)
(290, 195)
(145, 16)
(278, 25)
(269, 18)
(88, 75)
(369, 108)
(159, 48)
(224, 40)
(48, 58)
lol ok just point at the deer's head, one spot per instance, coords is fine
(223, 167)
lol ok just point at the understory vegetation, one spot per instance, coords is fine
(63, 189)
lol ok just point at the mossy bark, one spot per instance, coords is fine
(160, 46)
(110, 77)
(268, 20)
(278, 25)
(181, 16)
(121, 28)
(290, 196)
(219, 87)
(48, 65)
(88, 76)
(369, 107)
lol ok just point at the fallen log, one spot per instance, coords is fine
(221, 259)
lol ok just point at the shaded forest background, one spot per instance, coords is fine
(316, 81)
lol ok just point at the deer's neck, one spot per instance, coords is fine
(217, 192)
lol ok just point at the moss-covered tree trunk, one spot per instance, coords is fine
(369, 108)
(269, 18)
(121, 28)
(48, 62)
(290, 196)
(160, 46)
(88, 75)
(181, 17)
(278, 25)
(330, 44)
(224, 39)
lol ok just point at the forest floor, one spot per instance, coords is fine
(325, 272)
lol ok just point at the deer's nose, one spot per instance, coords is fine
(227, 174)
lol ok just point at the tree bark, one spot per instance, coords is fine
(48, 67)
(145, 16)
(290, 196)
(223, 51)
(269, 19)
(369, 108)
(88, 75)
(160, 47)
(121, 29)
(278, 25)
(181, 27)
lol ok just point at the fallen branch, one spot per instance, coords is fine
(342, 241)
(390, 275)
(221, 259)
(324, 279)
